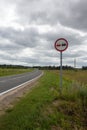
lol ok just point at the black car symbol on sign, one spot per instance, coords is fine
(63, 44)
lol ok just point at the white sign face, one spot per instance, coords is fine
(61, 44)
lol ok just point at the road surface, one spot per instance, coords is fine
(10, 82)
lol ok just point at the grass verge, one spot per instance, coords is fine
(45, 109)
(9, 71)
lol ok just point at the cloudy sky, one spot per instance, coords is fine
(29, 29)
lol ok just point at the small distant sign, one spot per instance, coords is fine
(61, 44)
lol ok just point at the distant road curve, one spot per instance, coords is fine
(10, 83)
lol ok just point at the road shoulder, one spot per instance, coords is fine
(8, 100)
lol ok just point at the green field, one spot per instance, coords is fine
(11, 71)
(44, 108)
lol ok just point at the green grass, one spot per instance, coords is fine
(45, 109)
(9, 71)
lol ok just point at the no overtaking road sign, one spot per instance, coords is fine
(61, 44)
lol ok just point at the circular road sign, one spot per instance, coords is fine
(61, 44)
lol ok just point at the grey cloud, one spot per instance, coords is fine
(77, 16)
(71, 13)
(43, 43)
(28, 37)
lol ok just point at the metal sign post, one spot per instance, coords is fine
(61, 45)
(60, 72)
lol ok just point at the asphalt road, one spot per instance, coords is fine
(9, 82)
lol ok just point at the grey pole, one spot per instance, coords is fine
(74, 63)
(60, 72)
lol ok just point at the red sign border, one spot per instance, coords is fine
(57, 41)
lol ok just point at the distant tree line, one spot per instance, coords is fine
(53, 67)
(41, 67)
(14, 66)
(84, 67)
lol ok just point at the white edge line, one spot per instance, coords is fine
(21, 84)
